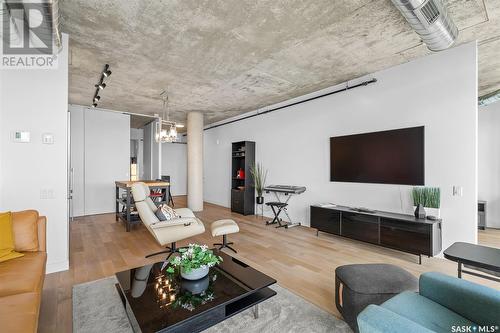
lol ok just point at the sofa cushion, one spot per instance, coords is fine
(7, 238)
(23, 274)
(19, 313)
(475, 302)
(425, 312)
(25, 225)
(165, 213)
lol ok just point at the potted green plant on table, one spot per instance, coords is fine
(426, 201)
(194, 261)
(259, 178)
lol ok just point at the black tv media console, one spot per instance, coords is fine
(396, 231)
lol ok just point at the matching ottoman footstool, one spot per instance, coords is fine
(357, 286)
(224, 228)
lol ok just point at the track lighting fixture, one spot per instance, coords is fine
(106, 72)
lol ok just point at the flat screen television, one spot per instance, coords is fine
(385, 157)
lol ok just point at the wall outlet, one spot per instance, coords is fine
(458, 191)
(47, 194)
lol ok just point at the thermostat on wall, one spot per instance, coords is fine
(21, 136)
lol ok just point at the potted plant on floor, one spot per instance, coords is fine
(194, 261)
(426, 201)
(259, 178)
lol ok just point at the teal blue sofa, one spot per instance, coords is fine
(443, 304)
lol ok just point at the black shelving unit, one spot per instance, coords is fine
(242, 189)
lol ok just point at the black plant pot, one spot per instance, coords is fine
(260, 200)
(420, 212)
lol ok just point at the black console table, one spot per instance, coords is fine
(396, 231)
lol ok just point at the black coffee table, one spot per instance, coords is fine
(159, 302)
(479, 257)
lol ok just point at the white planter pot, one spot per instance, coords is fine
(431, 211)
(195, 274)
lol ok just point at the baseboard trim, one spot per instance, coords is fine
(57, 267)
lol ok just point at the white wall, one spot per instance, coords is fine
(489, 162)
(36, 100)
(148, 150)
(174, 163)
(438, 91)
(77, 159)
(105, 157)
(137, 135)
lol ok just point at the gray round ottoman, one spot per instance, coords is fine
(357, 286)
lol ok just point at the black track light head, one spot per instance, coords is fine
(97, 98)
(94, 105)
(101, 86)
(106, 73)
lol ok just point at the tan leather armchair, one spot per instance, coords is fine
(165, 232)
(21, 279)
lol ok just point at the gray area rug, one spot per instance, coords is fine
(97, 308)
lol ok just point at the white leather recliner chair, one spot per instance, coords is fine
(165, 232)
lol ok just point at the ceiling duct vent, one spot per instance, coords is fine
(489, 98)
(431, 21)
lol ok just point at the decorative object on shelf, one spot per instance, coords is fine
(420, 212)
(194, 261)
(259, 178)
(429, 198)
(166, 130)
(240, 174)
(241, 188)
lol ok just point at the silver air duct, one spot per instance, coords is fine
(51, 21)
(431, 21)
(489, 98)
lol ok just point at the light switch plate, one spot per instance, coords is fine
(48, 138)
(21, 136)
(458, 191)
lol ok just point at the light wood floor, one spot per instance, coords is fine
(296, 258)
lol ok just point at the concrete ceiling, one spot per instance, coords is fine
(226, 57)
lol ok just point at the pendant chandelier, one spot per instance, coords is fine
(166, 130)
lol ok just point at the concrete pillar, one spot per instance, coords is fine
(195, 161)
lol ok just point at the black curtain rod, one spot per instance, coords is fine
(364, 83)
